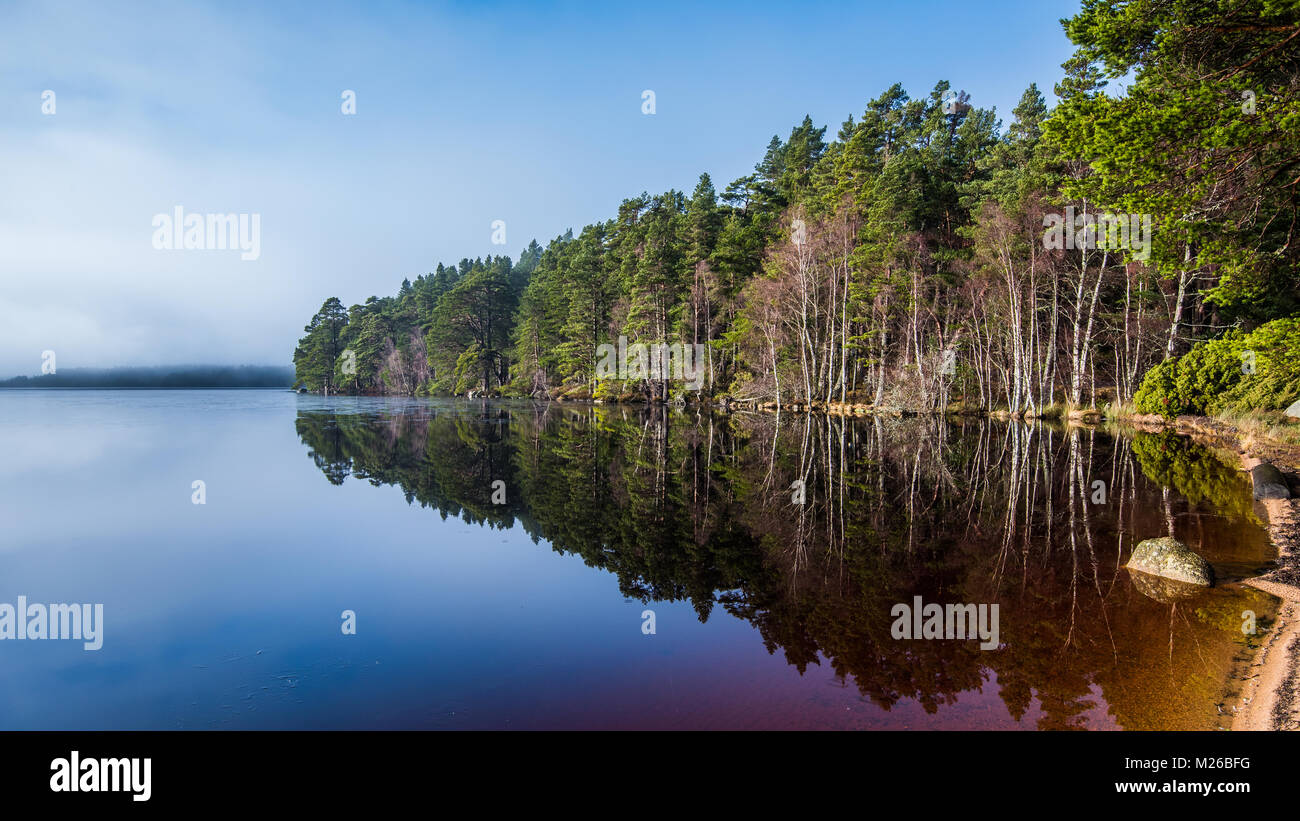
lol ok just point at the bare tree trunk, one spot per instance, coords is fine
(1178, 301)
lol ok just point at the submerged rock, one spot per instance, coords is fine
(1171, 559)
(1162, 589)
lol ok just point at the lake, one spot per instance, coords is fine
(499, 559)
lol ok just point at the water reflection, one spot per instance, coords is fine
(685, 505)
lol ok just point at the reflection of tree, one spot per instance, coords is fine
(685, 506)
(1178, 463)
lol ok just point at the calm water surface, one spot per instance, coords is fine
(473, 612)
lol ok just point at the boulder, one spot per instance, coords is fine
(1294, 410)
(1269, 482)
(1171, 559)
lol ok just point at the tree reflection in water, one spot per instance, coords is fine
(686, 505)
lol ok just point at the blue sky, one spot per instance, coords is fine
(466, 113)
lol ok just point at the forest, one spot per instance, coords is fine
(1132, 246)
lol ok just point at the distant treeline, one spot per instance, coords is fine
(167, 376)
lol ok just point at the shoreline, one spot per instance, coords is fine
(1269, 696)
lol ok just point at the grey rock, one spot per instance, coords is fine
(1269, 482)
(1294, 410)
(1171, 559)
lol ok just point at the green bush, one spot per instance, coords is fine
(1213, 378)
(608, 390)
(1209, 370)
(1157, 394)
(1276, 381)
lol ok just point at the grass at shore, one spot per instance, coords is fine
(1269, 435)
(1119, 410)
(1267, 427)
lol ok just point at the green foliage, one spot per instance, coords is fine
(1238, 372)
(1157, 393)
(416, 342)
(1207, 371)
(1275, 384)
(317, 352)
(1206, 138)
